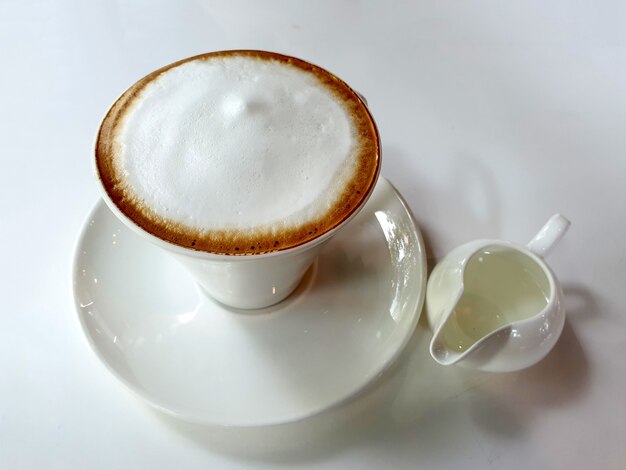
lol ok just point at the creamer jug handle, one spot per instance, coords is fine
(549, 235)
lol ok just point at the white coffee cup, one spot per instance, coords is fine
(251, 280)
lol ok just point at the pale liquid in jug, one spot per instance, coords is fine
(501, 285)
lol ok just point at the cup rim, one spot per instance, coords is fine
(190, 251)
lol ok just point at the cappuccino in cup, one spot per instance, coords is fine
(240, 164)
(238, 153)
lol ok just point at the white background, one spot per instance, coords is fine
(493, 115)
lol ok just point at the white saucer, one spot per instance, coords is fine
(203, 362)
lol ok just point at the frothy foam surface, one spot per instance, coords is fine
(204, 140)
(237, 152)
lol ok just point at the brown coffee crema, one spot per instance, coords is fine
(242, 241)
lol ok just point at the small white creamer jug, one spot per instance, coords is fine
(495, 305)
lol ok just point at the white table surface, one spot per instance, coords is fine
(494, 115)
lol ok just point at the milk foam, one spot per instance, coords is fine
(236, 143)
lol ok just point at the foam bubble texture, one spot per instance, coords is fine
(237, 143)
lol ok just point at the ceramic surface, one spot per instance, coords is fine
(199, 360)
